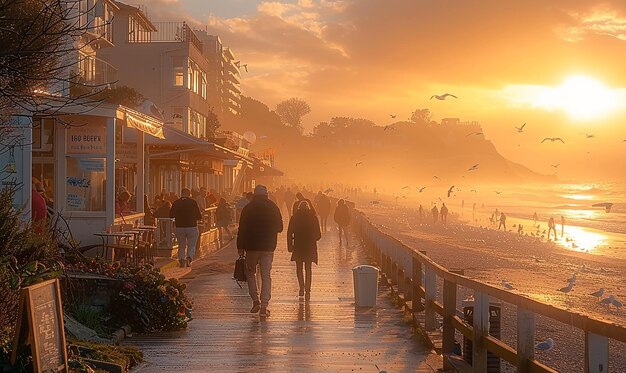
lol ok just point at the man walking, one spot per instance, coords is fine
(259, 224)
(186, 214)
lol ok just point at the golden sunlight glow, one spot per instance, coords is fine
(581, 97)
(581, 239)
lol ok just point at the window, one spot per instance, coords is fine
(189, 73)
(86, 184)
(179, 72)
(204, 85)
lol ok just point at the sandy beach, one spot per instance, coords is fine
(534, 267)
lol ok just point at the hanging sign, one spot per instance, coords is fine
(87, 139)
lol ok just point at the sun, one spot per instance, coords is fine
(581, 97)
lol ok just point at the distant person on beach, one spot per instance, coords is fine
(435, 213)
(420, 213)
(302, 236)
(444, 214)
(562, 225)
(551, 228)
(463, 204)
(502, 221)
(259, 225)
(342, 218)
(535, 218)
(520, 229)
(474, 211)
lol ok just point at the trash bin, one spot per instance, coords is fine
(365, 280)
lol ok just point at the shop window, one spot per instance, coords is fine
(179, 72)
(85, 184)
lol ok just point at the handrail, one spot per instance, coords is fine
(404, 265)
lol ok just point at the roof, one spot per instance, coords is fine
(139, 12)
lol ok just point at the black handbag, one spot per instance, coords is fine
(240, 270)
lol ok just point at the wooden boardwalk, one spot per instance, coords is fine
(325, 334)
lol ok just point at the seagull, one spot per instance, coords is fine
(546, 345)
(598, 293)
(389, 127)
(329, 190)
(507, 285)
(589, 135)
(521, 129)
(567, 288)
(607, 206)
(556, 165)
(608, 300)
(617, 303)
(496, 192)
(358, 163)
(245, 66)
(393, 116)
(474, 167)
(474, 133)
(405, 187)
(442, 97)
(450, 191)
(473, 190)
(421, 189)
(435, 177)
(553, 139)
(572, 279)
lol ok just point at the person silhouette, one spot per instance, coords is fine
(444, 213)
(435, 213)
(551, 228)
(502, 221)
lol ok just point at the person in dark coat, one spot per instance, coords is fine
(299, 198)
(342, 218)
(322, 206)
(259, 225)
(186, 214)
(223, 220)
(302, 236)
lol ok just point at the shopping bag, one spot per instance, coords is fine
(240, 270)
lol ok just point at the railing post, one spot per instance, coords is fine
(430, 287)
(400, 276)
(449, 310)
(481, 329)
(525, 339)
(394, 272)
(417, 283)
(596, 353)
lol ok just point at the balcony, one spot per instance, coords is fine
(92, 75)
(175, 32)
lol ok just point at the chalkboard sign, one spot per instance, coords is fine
(40, 325)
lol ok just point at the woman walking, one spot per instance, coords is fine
(302, 236)
(342, 218)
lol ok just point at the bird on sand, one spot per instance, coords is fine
(329, 190)
(521, 129)
(375, 202)
(598, 293)
(474, 167)
(572, 279)
(359, 163)
(450, 191)
(553, 139)
(589, 135)
(506, 285)
(421, 189)
(546, 345)
(607, 206)
(608, 300)
(617, 303)
(393, 116)
(567, 288)
(443, 96)
(474, 133)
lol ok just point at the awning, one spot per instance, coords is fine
(140, 121)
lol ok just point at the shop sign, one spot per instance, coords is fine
(91, 165)
(75, 201)
(78, 182)
(88, 139)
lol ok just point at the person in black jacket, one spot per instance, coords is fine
(342, 218)
(223, 220)
(186, 214)
(302, 236)
(259, 224)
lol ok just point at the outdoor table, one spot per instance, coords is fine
(106, 241)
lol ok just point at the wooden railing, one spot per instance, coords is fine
(415, 277)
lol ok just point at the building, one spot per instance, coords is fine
(224, 75)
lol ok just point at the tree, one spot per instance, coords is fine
(422, 116)
(291, 112)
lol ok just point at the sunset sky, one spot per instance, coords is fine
(556, 65)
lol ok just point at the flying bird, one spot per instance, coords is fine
(442, 97)
(421, 189)
(607, 206)
(521, 129)
(589, 135)
(474, 133)
(553, 139)
(245, 66)
(598, 293)
(474, 167)
(473, 190)
(435, 177)
(496, 192)
(393, 116)
(450, 191)
(358, 163)
(556, 165)
(405, 187)
(546, 345)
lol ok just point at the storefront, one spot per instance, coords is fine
(83, 162)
